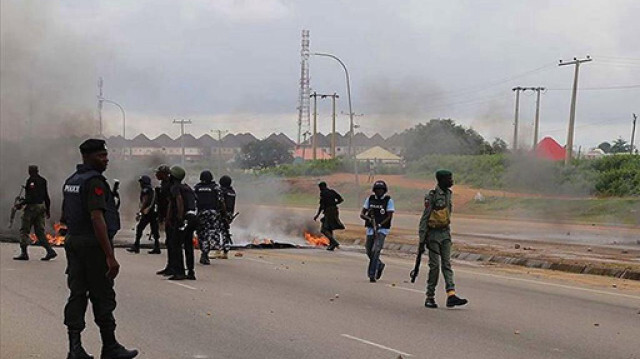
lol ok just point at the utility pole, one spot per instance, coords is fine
(633, 133)
(315, 124)
(182, 123)
(515, 123)
(100, 100)
(572, 114)
(333, 125)
(220, 133)
(536, 125)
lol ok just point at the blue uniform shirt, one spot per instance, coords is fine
(390, 208)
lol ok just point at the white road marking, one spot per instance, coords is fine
(182, 285)
(552, 284)
(259, 261)
(376, 345)
(407, 289)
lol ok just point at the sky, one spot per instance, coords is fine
(235, 65)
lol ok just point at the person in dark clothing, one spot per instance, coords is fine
(377, 212)
(163, 175)
(180, 224)
(90, 214)
(329, 201)
(227, 214)
(37, 206)
(209, 202)
(147, 216)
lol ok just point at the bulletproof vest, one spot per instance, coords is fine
(149, 191)
(75, 210)
(207, 196)
(378, 207)
(229, 196)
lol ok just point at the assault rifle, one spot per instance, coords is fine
(18, 202)
(416, 268)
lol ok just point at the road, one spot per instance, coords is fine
(309, 303)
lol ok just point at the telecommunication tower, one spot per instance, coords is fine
(304, 106)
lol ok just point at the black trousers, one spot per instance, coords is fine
(87, 280)
(151, 220)
(177, 242)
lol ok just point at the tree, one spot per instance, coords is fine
(605, 147)
(264, 153)
(499, 146)
(620, 146)
(443, 137)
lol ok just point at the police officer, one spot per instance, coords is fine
(180, 225)
(92, 220)
(228, 214)
(147, 216)
(163, 174)
(329, 201)
(209, 203)
(37, 206)
(377, 213)
(435, 234)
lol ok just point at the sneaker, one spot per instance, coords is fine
(379, 271)
(430, 303)
(331, 247)
(135, 250)
(455, 301)
(49, 256)
(178, 277)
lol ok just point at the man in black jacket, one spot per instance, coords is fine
(329, 201)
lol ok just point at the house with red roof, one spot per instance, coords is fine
(550, 149)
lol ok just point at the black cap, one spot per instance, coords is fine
(92, 145)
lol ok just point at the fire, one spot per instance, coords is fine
(316, 240)
(54, 239)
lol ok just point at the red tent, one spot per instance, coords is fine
(549, 149)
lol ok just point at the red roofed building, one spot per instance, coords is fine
(307, 154)
(549, 149)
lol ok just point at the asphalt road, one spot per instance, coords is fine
(310, 303)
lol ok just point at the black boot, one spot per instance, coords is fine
(76, 351)
(50, 255)
(204, 258)
(133, 249)
(24, 256)
(454, 301)
(155, 250)
(111, 349)
(191, 275)
(430, 303)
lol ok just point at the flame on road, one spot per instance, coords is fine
(54, 239)
(315, 239)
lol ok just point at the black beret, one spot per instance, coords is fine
(92, 145)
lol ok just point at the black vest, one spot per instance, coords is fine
(229, 197)
(76, 214)
(378, 207)
(208, 196)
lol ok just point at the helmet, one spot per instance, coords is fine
(145, 180)
(206, 176)
(178, 173)
(380, 185)
(163, 168)
(225, 181)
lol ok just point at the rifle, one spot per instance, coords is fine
(18, 202)
(416, 267)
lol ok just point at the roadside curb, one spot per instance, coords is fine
(525, 262)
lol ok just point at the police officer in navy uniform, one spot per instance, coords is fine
(377, 212)
(148, 215)
(228, 214)
(209, 202)
(163, 174)
(92, 219)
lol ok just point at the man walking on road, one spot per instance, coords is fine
(377, 213)
(435, 234)
(180, 220)
(147, 215)
(162, 201)
(92, 219)
(37, 206)
(329, 201)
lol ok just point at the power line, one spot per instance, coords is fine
(621, 87)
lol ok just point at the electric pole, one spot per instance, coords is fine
(536, 125)
(182, 123)
(333, 122)
(315, 124)
(100, 100)
(572, 114)
(633, 132)
(220, 133)
(515, 123)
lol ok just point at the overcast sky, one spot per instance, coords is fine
(235, 65)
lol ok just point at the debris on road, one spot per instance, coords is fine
(517, 246)
(517, 332)
(596, 324)
(589, 249)
(238, 255)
